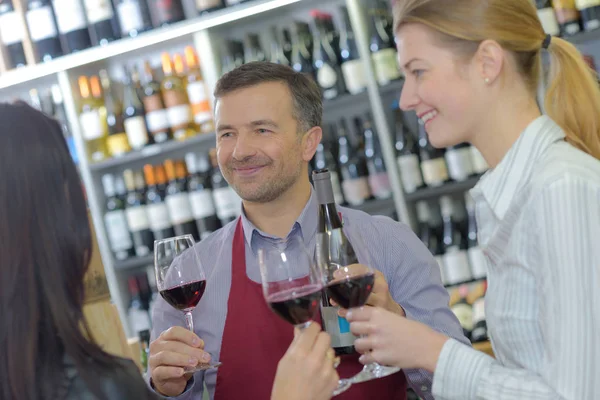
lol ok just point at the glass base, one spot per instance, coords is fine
(343, 385)
(202, 367)
(373, 371)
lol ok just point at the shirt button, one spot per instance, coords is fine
(424, 388)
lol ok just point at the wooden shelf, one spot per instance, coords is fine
(485, 347)
(432, 193)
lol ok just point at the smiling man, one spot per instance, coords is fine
(268, 127)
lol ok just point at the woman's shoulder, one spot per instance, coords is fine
(565, 164)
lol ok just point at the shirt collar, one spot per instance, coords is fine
(306, 223)
(499, 186)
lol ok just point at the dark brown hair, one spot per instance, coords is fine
(308, 105)
(45, 250)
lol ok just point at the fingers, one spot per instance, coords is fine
(306, 339)
(364, 345)
(321, 346)
(361, 314)
(180, 334)
(165, 373)
(367, 359)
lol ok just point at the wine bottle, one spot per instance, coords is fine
(12, 33)
(176, 101)
(327, 70)
(433, 164)
(157, 119)
(480, 332)
(353, 69)
(325, 160)
(479, 163)
(342, 340)
(407, 155)
(301, 50)
(178, 201)
(590, 13)
(456, 260)
(477, 259)
(207, 6)
(101, 17)
(278, 55)
(429, 235)
(287, 45)
(355, 183)
(201, 195)
(227, 201)
(138, 313)
(137, 216)
(133, 115)
(61, 116)
(383, 50)
(92, 118)
(547, 17)
(158, 212)
(70, 18)
(253, 50)
(197, 93)
(379, 181)
(133, 17)
(43, 30)
(567, 17)
(464, 311)
(167, 11)
(117, 141)
(116, 222)
(459, 162)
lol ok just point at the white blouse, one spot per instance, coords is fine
(539, 218)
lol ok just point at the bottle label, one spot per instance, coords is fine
(91, 125)
(158, 215)
(479, 163)
(354, 76)
(202, 204)
(117, 231)
(435, 172)
(98, 10)
(203, 5)
(199, 102)
(12, 29)
(179, 208)
(130, 16)
(548, 19)
(356, 191)
(337, 189)
(478, 262)
(139, 320)
(41, 24)
(69, 15)
(583, 4)
(478, 311)
(179, 116)
(410, 173)
(460, 166)
(456, 264)
(136, 132)
(118, 144)
(386, 66)
(326, 76)
(137, 218)
(464, 313)
(168, 10)
(380, 185)
(339, 332)
(227, 202)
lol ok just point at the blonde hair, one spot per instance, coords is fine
(572, 97)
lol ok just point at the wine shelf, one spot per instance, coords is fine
(446, 189)
(584, 37)
(133, 263)
(152, 151)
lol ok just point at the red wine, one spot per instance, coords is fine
(352, 292)
(184, 297)
(298, 305)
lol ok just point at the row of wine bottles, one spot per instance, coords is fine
(451, 236)
(150, 110)
(58, 27)
(325, 50)
(357, 167)
(468, 304)
(568, 17)
(422, 165)
(176, 198)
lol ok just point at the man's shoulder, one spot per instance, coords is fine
(378, 224)
(218, 238)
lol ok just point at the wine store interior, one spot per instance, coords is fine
(131, 83)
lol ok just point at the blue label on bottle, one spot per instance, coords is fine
(72, 149)
(344, 325)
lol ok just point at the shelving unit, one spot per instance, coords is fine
(432, 193)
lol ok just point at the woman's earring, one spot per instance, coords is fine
(487, 80)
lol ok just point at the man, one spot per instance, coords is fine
(268, 121)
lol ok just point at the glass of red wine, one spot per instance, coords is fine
(180, 279)
(349, 282)
(292, 284)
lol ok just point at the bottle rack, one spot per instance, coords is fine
(205, 33)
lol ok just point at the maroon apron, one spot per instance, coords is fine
(255, 339)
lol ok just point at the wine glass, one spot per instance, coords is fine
(348, 282)
(292, 284)
(180, 279)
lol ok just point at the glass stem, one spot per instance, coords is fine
(189, 321)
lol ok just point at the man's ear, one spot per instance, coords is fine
(310, 142)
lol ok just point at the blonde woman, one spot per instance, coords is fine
(472, 73)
